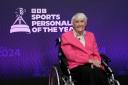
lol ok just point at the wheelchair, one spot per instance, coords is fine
(61, 75)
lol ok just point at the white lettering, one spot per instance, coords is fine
(38, 10)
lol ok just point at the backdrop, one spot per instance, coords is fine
(29, 28)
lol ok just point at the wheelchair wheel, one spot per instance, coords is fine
(114, 82)
(54, 77)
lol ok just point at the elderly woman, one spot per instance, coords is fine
(80, 49)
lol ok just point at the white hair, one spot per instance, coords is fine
(79, 16)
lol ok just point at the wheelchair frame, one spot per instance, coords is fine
(60, 74)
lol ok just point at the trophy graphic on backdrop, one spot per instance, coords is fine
(19, 24)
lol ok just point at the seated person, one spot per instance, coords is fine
(81, 52)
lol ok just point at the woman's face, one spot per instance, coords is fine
(79, 25)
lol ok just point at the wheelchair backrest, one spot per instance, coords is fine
(62, 59)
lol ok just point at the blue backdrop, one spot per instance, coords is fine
(24, 55)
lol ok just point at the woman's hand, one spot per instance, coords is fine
(95, 62)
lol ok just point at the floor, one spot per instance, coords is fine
(44, 81)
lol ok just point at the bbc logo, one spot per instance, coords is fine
(38, 10)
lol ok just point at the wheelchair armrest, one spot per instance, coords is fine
(105, 58)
